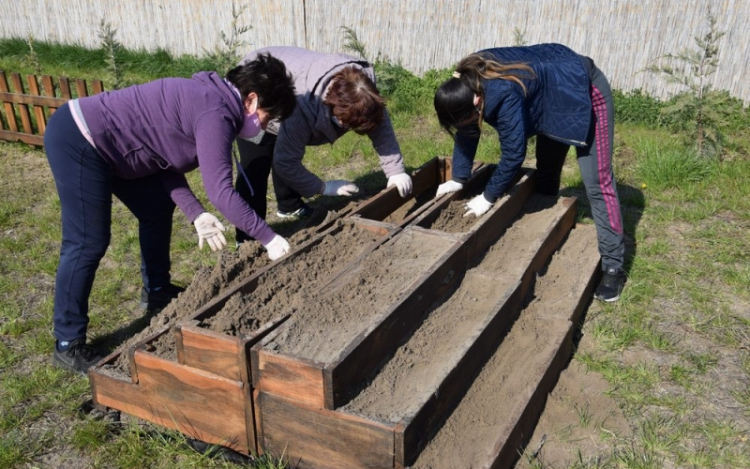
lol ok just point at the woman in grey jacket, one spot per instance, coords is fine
(335, 93)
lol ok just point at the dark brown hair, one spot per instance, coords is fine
(354, 100)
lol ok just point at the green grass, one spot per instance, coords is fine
(674, 350)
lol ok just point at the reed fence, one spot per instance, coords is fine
(33, 102)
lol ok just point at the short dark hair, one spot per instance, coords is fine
(267, 77)
(355, 101)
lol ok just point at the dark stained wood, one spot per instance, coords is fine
(30, 99)
(65, 91)
(388, 201)
(211, 351)
(315, 438)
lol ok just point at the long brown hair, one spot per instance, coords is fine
(354, 100)
(454, 100)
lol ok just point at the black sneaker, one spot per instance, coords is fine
(611, 286)
(160, 298)
(77, 357)
(303, 212)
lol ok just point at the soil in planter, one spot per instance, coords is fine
(232, 267)
(451, 218)
(284, 287)
(410, 206)
(331, 318)
(418, 367)
(506, 381)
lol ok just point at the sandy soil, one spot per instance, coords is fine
(232, 267)
(285, 288)
(331, 318)
(401, 388)
(497, 395)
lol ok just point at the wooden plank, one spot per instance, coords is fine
(31, 99)
(65, 88)
(210, 351)
(420, 427)
(97, 86)
(23, 109)
(37, 140)
(314, 438)
(81, 88)
(41, 118)
(292, 378)
(216, 352)
(10, 112)
(198, 404)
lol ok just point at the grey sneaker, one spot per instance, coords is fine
(303, 212)
(77, 357)
(611, 286)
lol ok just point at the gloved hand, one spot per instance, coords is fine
(339, 187)
(477, 206)
(210, 230)
(448, 187)
(277, 247)
(402, 181)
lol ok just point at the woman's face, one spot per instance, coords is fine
(251, 106)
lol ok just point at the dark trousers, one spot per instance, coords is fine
(256, 160)
(85, 184)
(595, 164)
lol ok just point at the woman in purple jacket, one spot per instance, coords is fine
(137, 143)
(551, 92)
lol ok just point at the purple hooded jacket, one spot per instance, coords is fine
(172, 126)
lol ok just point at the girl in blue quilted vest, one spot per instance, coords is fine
(563, 99)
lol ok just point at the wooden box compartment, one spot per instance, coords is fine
(305, 378)
(210, 366)
(389, 207)
(340, 434)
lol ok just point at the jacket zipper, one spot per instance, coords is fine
(566, 140)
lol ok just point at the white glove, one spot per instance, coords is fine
(402, 181)
(210, 230)
(477, 206)
(339, 187)
(448, 187)
(277, 247)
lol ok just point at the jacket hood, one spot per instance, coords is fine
(217, 84)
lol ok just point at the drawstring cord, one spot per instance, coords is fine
(242, 171)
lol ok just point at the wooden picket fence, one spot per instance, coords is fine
(33, 102)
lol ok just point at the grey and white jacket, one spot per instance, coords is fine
(311, 123)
